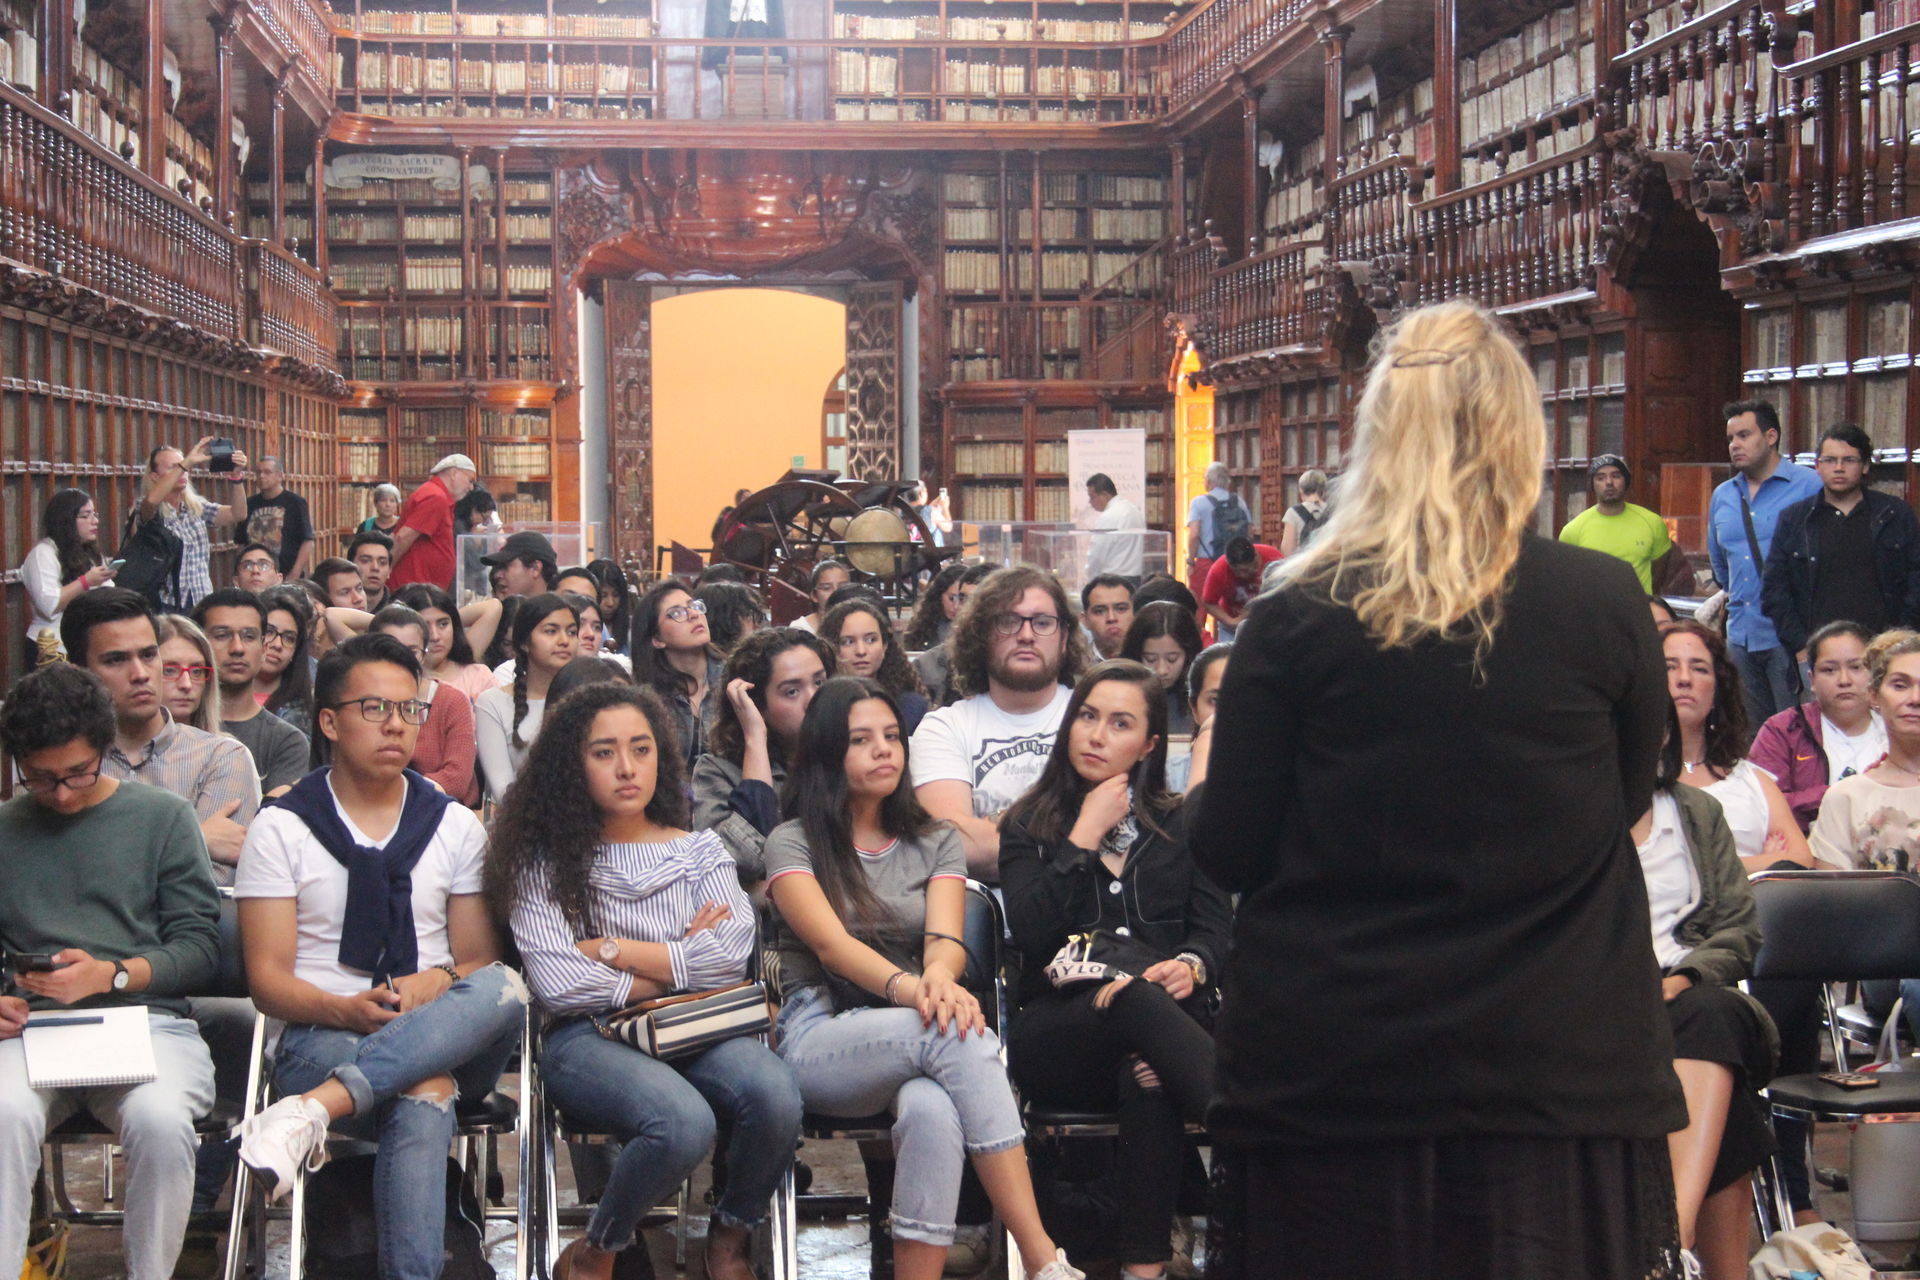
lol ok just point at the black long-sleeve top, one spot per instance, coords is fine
(1443, 928)
(1056, 889)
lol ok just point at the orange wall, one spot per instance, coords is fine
(737, 379)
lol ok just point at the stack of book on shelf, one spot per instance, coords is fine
(522, 507)
(1129, 224)
(972, 271)
(435, 335)
(857, 110)
(522, 277)
(1061, 270)
(973, 224)
(20, 60)
(969, 188)
(520, 461)
(526, 423)
(434, 275)
(989, 458)
(431, 226)
(362, 461)
(1544, 66)
(365, 277)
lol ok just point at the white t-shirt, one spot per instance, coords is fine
(1673, 888)
(998, 755)
(493, 745)
(803, 623)
(503, 674)
(1745, 805)
(1847, 756)
(282, 858)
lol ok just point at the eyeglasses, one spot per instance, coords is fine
(173, 671)
(691, 609)
(74, 782)
(380, 710)
(1009, 624)
(225, 635)
(274, 635)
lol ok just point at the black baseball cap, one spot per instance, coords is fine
(524, 545)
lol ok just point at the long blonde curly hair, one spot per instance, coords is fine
(1443, 479)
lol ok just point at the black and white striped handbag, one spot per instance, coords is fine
(680, 1026)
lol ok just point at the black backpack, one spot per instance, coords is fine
(1309, 523)
(152, 555)
(1231, 520)
(343, 1244)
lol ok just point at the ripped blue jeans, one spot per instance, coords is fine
(469, 1034)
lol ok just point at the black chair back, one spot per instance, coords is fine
(984, 928)
(230, 978)
(1829, 926)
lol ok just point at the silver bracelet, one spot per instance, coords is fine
(897, 975)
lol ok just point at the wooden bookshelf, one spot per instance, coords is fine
(1528, 93)
(1007, 447)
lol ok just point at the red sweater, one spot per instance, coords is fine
(444, 752)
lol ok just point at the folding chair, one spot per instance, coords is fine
(984, 931)
(1832, 926)
(82, 1129)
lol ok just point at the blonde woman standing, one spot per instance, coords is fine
(1435, 734)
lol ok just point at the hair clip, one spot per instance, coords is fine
(1420, 357)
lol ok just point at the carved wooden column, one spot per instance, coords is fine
(1249, 166)
(1179, 150)
(1446, 95)
(153, 95)
(56, 54)
(477, 345)
(1334, 40)
(320, 202)
(222, 118)
(278, 159)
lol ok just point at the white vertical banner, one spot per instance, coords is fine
(1120, 454)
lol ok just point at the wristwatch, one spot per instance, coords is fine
(609, 950)
(1196, 964)
(120, 976)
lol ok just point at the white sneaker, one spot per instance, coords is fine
(277, 1141)
(1690, 1265)
(1059, 1269)
(970, 1252)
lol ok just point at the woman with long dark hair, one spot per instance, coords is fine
(769, 681)
(871, 895)
(612, 901)
(1167, 639)
(939, 604)
(863, 642)
(545, 632)
(734, 612)
(1099, 844)
(285, 682)
(616, 602)
(451, 637)
(673, 654)
(65, 562)
(1434, 734)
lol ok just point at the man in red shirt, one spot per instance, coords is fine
(1234, 581)
(423, 540)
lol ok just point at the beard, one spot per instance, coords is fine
(1025, 680)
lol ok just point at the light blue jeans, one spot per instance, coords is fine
(154, 1123)
(949, 1097)
(468, 1033)
(666, 1114)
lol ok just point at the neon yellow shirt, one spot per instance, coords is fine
(1636, 535)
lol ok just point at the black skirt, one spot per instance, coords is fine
(1458, 1208)
(1719, 1025)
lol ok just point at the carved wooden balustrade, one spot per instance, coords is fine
(302, 27)
(1269, 302)
(1712, 79)
(1529, 234)
(71, 210)
(1372, 211)
(293, 310)
(1204, 47)
(1126, 317)
(1190, 267)
(1857, 109)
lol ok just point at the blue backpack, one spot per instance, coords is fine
(1231, 520)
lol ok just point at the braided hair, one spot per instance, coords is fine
(532, 612)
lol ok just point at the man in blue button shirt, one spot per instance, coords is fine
(1743, 513)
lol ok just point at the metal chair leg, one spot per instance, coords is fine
(681, 1201)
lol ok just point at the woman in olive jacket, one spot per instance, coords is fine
(1098, 844)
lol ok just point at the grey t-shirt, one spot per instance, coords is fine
(899, 877)
(278, 749)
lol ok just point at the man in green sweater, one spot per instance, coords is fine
(110, 879)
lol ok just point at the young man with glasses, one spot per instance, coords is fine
(256, 569)
(1848, 553)
(109, 879)
(1015, 653)
(236, 622)
(360, 912)
(111, 633)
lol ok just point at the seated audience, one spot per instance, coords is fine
(372, 554)
(341, 585)
(933, 616)
(65, 562)
(528, 564)
(1705, 934)
(827, 577)
(256, 568)
(1204, 677)
(616, 603)
(582, 672)
(1705, 689)
(1872, 818)
(1233, 582)
(333, 955)
(673, 654)
(871, 896)
(1836, 735)
(1106, 611)
(1164, 586)
(109, 878)
(934, 665)
(445, 750)
(186, 674)
(1663, 614)
(769, 681)
(1100, 844)
(734, 611)
(576, 579)
(285, 683)
(612, 901)
(1167, 639)
(236, 624)
(545, 631)
(112, 633)
(862, 639)
(319, 640)
(452, 634)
